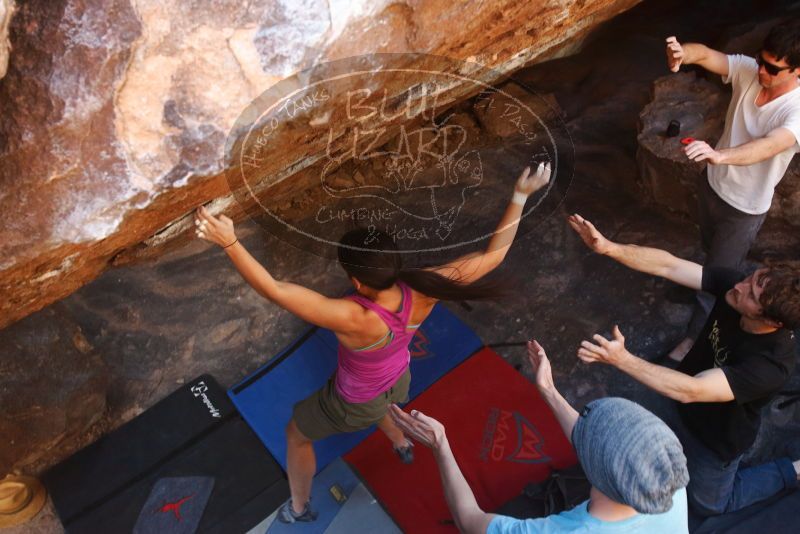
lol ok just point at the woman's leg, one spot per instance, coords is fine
(301, 464)
(396, 435)
(398, 393)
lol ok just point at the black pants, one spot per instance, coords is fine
(727, 235)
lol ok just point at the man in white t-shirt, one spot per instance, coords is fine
(762, 129)
(634, 462)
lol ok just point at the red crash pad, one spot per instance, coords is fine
(502, 434)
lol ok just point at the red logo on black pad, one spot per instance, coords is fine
(175, 507)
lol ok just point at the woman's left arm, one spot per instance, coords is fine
(473, 266)
(335, 314)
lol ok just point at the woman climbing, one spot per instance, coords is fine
(374, 328)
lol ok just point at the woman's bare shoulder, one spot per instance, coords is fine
(421, 305)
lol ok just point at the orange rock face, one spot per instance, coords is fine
(116, 112)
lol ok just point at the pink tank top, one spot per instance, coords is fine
(363, 375)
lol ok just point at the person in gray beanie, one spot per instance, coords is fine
(633, 460)
(630, 455)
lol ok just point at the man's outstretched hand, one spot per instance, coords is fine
(590, 235)
(419, 426)
(702, 151)
(541, 367)
(609, 351)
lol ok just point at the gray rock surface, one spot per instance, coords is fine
(53, 387)
(667, 174)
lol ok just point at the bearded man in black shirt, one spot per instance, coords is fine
(742, 358)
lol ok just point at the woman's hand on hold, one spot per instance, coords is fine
(528, 183)
(217, 230)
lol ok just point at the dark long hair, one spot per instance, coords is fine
(381, 266)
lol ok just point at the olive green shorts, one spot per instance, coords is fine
(325, 413)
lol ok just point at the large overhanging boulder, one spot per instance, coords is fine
(115, 112)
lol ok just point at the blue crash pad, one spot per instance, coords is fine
(266, 398)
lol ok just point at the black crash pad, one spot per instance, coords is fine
(194, 432)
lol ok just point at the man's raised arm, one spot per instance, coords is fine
(645, 259)
(695, 54)
(563, 410)
(710, 385)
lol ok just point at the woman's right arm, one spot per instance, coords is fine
(339, 315)
(473, 266)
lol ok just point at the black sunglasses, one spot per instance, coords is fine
(772, 69)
